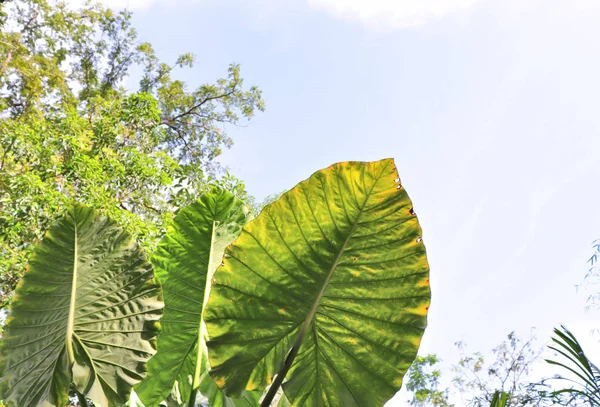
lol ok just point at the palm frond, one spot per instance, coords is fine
(587, 384)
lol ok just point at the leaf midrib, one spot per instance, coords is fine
(71, 319)
(292, 353)
(317, 301)
(201, 327)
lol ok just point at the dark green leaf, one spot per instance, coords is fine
(85, 312)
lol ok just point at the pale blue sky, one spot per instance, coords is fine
(490, 108)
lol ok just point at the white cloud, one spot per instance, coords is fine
(386, 15)
(131, 5)
(393, 14)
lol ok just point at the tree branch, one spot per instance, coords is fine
(179, 136)
(217, 119)
(160, 76)
(27, 25)
(153, 209)
(5, 63)
(191, 109)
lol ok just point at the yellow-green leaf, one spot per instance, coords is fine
(332, 276)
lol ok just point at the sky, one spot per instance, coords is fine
(490, 109)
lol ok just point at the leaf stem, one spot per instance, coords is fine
(82, 400)
(201, 327)
(69, 337)
(192, 400)
(281, 375)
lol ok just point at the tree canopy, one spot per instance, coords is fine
(424, 382)
(478, 381)
(75, 126)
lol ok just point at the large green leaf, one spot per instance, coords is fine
(86, 312)
(213, 396)
(184, 262)
(331, 279)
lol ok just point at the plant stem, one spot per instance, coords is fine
(192, 400)
(71, 320)
(281, 374)
(201, 327)
(82, 400)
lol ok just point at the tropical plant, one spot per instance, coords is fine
(581, 372)
(84, 317)
(184, 262)
(584, 375)
(327, 288)
(70, 130)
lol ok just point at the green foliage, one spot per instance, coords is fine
(328, 287)
(592, 277)
(478, 381)
(70, 130)
(85, 315)
(184, 262)
(582, 374)
(500, 399)
(424, 381)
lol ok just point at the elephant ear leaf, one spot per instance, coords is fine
(85, 313)
(184, 262)
(213, 396)
(328, 288)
